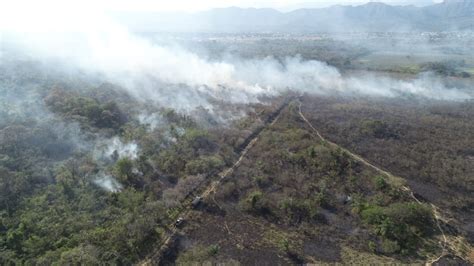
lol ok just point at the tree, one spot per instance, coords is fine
(124, 168)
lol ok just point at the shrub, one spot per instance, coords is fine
(195, 255)
(255, 202)
(227, 190)
(390, 247)
(204, 165)
(297, 210)
(401, 223)
(213, 249)
(377, 129)
(261, 181)
(380, 183)
(372, 246)
(285, 245)
(124, 167)
(373, 215)
(254, 198)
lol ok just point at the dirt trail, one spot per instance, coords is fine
(397, 181)
(185, 212)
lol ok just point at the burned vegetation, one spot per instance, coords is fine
(428, 143)
(296, 199)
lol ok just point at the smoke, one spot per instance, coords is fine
(152, 121)
(425, 85)
(175, 77)
(129, 150)
(114, 149)
(108, 183)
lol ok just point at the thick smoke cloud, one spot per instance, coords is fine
(180, 79)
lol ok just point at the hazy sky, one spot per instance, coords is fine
(181, 5)
(193, 5)
(58, 15)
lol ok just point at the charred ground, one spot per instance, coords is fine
(296, 199)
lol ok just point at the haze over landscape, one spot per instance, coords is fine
(236, 132)
(372, 16)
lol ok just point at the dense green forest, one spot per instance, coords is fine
(71, 195)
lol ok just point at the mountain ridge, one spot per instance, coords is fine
(449, 15)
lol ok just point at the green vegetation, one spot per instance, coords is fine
(401, 226)
(86, 110)
(377, 129)
(198, 254)
(294, 161)
(433, 147)
(255, 202)
(54, 226)
(380, 183)
(55, 205)
(204, 164)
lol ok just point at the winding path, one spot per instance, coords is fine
(436, 213)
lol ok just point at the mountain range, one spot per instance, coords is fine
(374, 16)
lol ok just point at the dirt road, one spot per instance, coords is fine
(185, 212)
(446, 244)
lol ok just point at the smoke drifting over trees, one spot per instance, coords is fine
(147, 70)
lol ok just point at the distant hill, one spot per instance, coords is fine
(373, 16)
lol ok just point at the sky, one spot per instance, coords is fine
(59, 15)
(177, 5)
(197, 5)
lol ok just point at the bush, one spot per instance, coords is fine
(198, 255)
(255, 202)
(377, 129)
(380, 183)
(413, 214)
(372, 246)
(123, 168)
(262, 181)
(390, 247)
(204, 165)
(213, 249)
(86, 110)
(81, 255)
(285, 245)
(373, 215)
(253, 198)
(401, 223)
(297, 210)
(227, 190)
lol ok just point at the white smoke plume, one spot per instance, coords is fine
(114, 148)
(96, 44)
(108, 183)
(153, 121)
